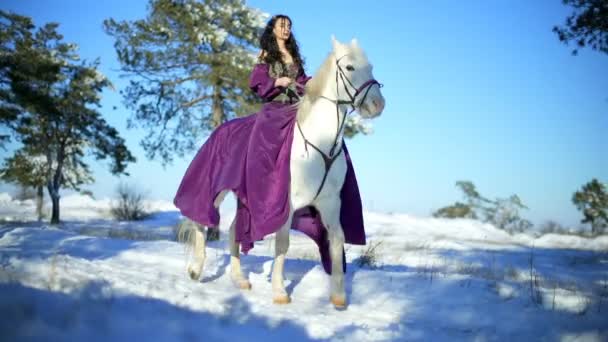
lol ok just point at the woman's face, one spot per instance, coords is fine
(282, 29)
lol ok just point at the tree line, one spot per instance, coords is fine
(505, 213)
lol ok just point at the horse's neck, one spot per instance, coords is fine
(322, 124)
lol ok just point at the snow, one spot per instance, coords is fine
(212, 33)
(5, 198)
(92, 278)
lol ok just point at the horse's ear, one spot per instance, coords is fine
(334, 43)
(354, 42)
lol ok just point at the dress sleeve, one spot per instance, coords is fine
(301, 79)
(261, 82)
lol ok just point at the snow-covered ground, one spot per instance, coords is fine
(92, 278)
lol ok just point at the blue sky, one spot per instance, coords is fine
(475, 90)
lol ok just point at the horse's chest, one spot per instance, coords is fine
(308, 169)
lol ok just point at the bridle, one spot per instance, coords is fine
(352, 97)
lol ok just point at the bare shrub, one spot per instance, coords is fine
(369, 257)
(534, 281)
(130, 204)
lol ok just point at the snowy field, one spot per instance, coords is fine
(95, 279)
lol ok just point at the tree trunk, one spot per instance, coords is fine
(594, 228)
(54, 193)
(55, 184)
(213, 234)
(39, 201)
(217, 117)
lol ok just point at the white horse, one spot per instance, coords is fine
(343, 83)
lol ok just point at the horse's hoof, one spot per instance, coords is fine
(240, 282)
(244, 285)
(194, 275)
(283, 299)
(338, 302)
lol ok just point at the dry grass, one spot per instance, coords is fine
(369, 258)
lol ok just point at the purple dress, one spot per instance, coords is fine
(251, 156)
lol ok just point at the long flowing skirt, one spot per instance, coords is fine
(251, 157)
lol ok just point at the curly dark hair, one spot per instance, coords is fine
(268, 43)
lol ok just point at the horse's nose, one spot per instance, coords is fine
(378, 105)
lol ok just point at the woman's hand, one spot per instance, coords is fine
(282, 82)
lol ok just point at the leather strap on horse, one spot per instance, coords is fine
(329, 160)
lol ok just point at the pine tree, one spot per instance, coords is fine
(189, 64)
(48, 105)
(456, 210)
(586, 26)
(29, 170)
(472, 207)
(592, 200)
(19, 29)
(502, 212)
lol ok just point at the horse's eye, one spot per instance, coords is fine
(350, 68)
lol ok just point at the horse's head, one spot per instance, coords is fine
(355, 81)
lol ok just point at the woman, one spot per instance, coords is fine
(251, 156)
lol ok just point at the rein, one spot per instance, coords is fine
(329, 159)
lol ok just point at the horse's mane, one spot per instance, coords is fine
(314, 87)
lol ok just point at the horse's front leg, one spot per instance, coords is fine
(330, 213)
(279, 295)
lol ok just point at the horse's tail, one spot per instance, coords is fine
(185, 234)
(193, 236)
(187, 228)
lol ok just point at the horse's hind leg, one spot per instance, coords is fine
(279, 295)
(235, 262)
